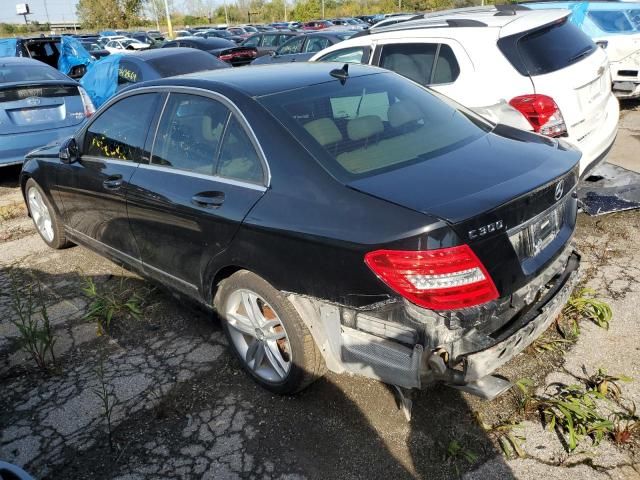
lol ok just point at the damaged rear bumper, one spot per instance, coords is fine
(395, 352)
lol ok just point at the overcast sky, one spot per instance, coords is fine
(59, 10)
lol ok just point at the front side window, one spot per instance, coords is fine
(315, 44)
(346, 55)
(252, 41)
(189, 133)
(238, 158)
(374, 123)
(292, 46)
(120, 132)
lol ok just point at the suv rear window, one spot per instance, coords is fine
(373, 123)
(547, 49)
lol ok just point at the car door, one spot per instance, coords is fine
(204, 176)
(92, 189)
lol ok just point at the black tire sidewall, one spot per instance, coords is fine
(288, 316)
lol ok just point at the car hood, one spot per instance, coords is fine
(476, 178)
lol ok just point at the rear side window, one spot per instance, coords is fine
(547, 49)
(611, 21)
(238, 158)
(315, 44)
(114, 134)
(252, 41)
(270, 41)
(189, 133)
(424, 63)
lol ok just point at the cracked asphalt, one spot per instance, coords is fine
(183, 409)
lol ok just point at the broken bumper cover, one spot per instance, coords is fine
(480, 364)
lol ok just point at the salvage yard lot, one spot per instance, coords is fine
(180, 407)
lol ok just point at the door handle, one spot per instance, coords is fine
(208, 199)
(113, 182)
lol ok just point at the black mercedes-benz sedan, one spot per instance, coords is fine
(334, 216)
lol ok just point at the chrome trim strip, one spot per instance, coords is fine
(214, 178)
(119, 253)
(114, 161)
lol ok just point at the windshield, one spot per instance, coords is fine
(373, 123)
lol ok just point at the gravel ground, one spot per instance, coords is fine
(182, 408)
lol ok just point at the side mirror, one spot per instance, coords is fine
(69, 152)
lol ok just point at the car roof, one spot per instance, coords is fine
(261, 80)
(154, 53)
(606, 5)
(509, 19)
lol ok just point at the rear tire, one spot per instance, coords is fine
(47, 223)
(267, 335)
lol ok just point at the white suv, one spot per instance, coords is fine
(529, 69)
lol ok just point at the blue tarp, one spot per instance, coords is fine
(578, 12)
(101, 79)
(8, 47)
(72, 53)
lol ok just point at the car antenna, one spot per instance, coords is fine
(341, 73)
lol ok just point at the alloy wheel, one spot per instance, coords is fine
(40, 214)
(258, 335)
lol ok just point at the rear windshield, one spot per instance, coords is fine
(548, 49)
(188, 62)
(373, 123)
(28, 73)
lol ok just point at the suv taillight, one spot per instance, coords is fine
(442, 279)
(542, 112)
(89, 109)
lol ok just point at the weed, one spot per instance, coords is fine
(12, 210)
(32, 321)
(573, 410)
(523, 394)
(456, 451)
(109, 304)
(104, 391)
(605, 384)
(586, 305)
(509, 441)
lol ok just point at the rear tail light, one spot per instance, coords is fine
(89, 109)
(542, 112)
(442, 279)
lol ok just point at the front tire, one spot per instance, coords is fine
(44, 217)
(267, 335)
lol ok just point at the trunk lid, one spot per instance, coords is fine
(28, 107)
(472, 181)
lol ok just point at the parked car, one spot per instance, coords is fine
(348, 23)
(103, 40)
(111, 75)
(94, 49)
(375, 227)
(302, 47)
(239, 32)
(537, 70)
(38, 104)
(156, 35)
(225, 50)
(371, 19)
(616, 27)
(280, 25)
(144, 37)
(62, 52)
(125, 45)
(215, 33)
(317, 25)
(268, 42)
